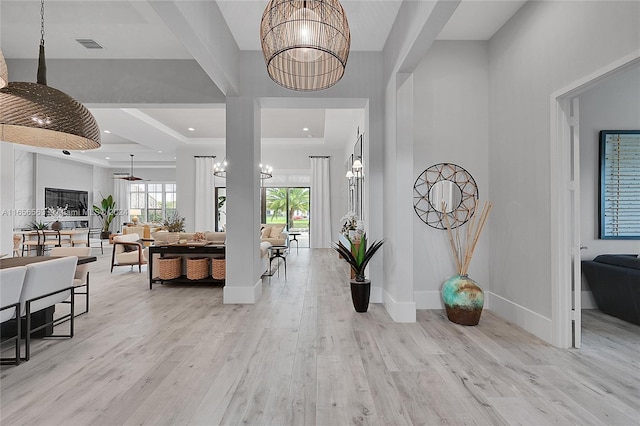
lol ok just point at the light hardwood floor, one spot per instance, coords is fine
(302, 356)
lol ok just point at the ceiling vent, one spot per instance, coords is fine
(88, 43)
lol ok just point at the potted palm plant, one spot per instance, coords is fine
(106, 211)
(358, 258)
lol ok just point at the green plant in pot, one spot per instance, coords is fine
(174, 223)
(358, 258)
(38, 226)
(106, 211)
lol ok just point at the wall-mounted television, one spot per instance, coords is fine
(77, 201)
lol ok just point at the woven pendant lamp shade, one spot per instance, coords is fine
(4, 73)
(305, 43)
(39, 115)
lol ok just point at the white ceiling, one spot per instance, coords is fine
(132, 29)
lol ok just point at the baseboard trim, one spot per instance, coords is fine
(399, 311)
(428, 300)
(242, 295)
(525, 318)
(376, 295)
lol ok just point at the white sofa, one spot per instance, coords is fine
(274, 234)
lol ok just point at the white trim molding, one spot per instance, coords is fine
(400, 311)
(428, 299)
(242, 295)
(525, 318)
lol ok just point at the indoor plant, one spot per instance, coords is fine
(174, 223)
(358, 258)
(106, 211)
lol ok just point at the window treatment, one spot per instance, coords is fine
(320, 233)
(121, 198)
(204, 191)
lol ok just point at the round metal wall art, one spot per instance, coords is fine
(445, 188)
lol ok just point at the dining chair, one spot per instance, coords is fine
(12, 280)
(50, 239)
(81, 276)
(28, 243)
(47, 284)
(17, 239)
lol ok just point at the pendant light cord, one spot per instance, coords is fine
(42, 22)
(42, 66)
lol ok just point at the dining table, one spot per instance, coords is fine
(42, 234)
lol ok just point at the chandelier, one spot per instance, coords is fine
(220, 170)
(305, 43)
(38, 115)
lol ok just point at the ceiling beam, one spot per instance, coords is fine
(201, 28)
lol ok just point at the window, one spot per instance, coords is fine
(156, 200)
(620, 184)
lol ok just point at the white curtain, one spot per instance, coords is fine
(320, 234)
(204, 191)
(121, 198)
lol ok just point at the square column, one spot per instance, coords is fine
(243, 280)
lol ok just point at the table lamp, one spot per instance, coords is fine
(134, 215)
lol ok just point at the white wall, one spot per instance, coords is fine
(613, 104)
(451, 125)
(543, 48)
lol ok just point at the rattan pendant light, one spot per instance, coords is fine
(38, 115)
(4, 73)
(305, 43)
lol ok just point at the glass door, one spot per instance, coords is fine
(289, 206)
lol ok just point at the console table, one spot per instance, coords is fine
(208, 250)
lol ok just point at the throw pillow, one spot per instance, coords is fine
(265, 232)
(129, 247)
(276, 230)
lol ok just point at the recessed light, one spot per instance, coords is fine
(305, 129)
(65, 152)
(191, 129)
(107, 158)
(309, 135)
(159, 152)
(107, 131)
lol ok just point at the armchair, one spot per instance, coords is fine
(128, 251)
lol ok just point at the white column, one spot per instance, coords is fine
(7, 197)
(243, 282)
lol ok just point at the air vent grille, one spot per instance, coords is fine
(88, 43)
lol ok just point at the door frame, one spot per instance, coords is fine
(562, 162)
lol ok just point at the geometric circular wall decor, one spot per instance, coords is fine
(445, 189)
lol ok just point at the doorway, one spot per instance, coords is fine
(289, 206)
(565, 202)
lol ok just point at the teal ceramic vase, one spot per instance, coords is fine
(463, 300)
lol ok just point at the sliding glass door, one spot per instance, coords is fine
(289, 206)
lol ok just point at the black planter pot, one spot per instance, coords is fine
(104, 235)
(360, 291)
